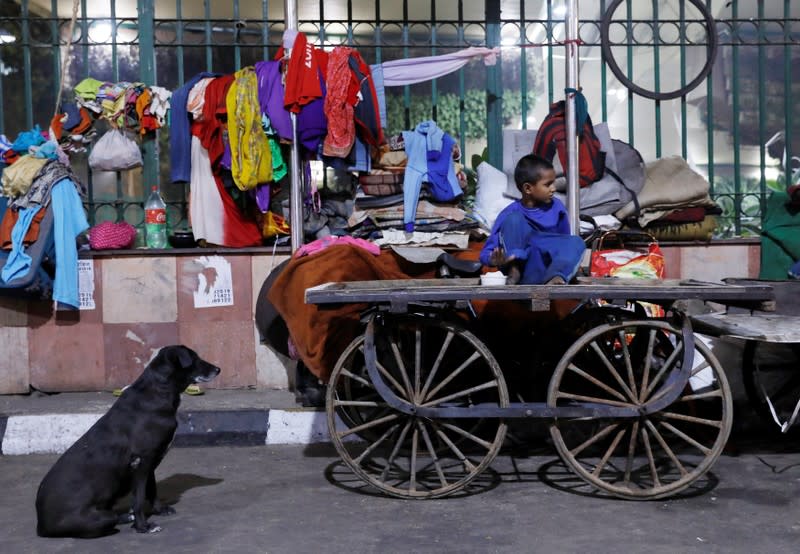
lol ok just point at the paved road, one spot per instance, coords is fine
(294, 499)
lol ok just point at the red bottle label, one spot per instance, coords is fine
(157, 216)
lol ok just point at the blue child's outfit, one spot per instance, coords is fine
(539, 238)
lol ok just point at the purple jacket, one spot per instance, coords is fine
(270, 97)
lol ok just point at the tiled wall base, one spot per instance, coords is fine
(144, 303)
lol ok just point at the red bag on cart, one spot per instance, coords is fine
(643, 261)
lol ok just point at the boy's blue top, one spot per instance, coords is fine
(552, 218)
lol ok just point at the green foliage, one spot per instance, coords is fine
(449, 112)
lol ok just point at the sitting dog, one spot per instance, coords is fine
(118, 455)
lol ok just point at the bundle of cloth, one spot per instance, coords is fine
(674, 203)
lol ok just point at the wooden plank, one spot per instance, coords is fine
(447, 290)
(764, 327)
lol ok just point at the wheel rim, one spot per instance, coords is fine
(424, 361)
(651, 456)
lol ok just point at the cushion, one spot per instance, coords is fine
(489, 196)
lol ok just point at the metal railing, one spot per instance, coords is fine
(721, 127)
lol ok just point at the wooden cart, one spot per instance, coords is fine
(418, 405)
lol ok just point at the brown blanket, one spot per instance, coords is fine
(321, 333)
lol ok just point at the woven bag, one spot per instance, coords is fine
(112, 236)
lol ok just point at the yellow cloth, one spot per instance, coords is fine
(251, 158)
(18, 177)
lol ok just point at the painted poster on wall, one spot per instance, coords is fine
(86, 284)
(214, 282)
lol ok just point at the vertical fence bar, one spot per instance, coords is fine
(377, 36)
(762, 105)
(85, 38)
(26, 65)
(434, 86)
(523, 65)
(462, 119)
(264, 29)
(737, 178)
(406, 88)
(710, 122)
(494, 87)
(237, 51)
(682, 39)
(179, 40)
(549, 52)
(629, 36)
(321, 23)
(788, 79)
(603, 75)
(209, 55)
(657, 73)
(120, 205)
(349, 23)
(56, 49)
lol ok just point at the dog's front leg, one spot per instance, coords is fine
(141, 474)
(159, 508)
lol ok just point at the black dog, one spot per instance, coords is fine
(118, 455)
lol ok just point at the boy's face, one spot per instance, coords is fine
(542, 191)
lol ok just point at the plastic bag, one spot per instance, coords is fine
(115, 152)
(638, 263)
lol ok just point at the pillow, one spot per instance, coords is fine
(489, 197)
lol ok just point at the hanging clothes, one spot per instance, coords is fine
(302, 74)
(430, 158)
(69, 220)
(367, 107)
(409, 71)
(270, 96)
(251, 156)
(212, 212)
(180, 138)
(215, 109)
(340, 99)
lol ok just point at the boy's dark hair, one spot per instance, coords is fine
(530, 169)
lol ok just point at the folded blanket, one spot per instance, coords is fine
(670, 184)
(321, 333)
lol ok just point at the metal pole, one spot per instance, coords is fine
(296, 197)
(571, 56)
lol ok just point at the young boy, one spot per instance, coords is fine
(530, 240)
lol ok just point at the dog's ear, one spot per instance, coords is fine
(184, 356)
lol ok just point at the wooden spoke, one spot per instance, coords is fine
(691, 419)
(593, 400)
(609, 452)
(388, 376)
(631, 451)
(390, 461)
(359, 403)
(435, 368)
(600, 384)
(412, 483)
(434, 458)
(368, 425)
(467, 435)
(417, 363)
(651, 341)
(626, 355)
(461, 394)
(687, 438)
(651, 461)
(367, 451)
(701, 396)
(594, 438)
(398, 358)
(673, 357)
(468, 465)
(453, 375)
(611, 369)
(666, 447)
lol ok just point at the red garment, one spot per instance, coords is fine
(367, 110)
(302, 78)
(215, 115)
(340, 97)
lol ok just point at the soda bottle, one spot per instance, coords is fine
(155, 220)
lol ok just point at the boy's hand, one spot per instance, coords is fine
(498, 257)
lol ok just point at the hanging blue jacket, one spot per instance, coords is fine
(430, 158)
(180, 138)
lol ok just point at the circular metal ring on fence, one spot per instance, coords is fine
(711, 51)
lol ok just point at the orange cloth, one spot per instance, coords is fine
(7, 225)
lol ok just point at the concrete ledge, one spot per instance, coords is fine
(50, 424)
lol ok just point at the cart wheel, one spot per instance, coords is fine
(653, 455)
(428, 362)
(774, 369)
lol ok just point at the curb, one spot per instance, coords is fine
(54, 433)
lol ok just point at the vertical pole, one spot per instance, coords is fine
(296, 197)
(571, 56)
(147, 74)
(494, 87)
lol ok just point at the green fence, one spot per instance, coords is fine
(721, 127)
